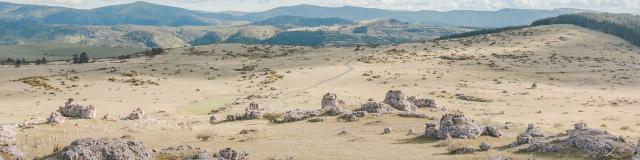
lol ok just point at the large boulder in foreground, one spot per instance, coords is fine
(103, 149)
(11, 152)
(8, 150)
(596, 144)
(77, 110)
(7, 135)
(399, 101)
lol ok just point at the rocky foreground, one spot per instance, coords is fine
(592, 143)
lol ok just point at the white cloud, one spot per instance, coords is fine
(253, 5)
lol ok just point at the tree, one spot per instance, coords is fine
(84, 58)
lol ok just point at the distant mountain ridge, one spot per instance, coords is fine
(285, 21)
(138, 13)
(144, 13)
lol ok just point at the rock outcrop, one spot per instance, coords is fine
(528, 136)
(453, 125)
(11, 152)
(230, 154)
(254, 111)
(103, 149)
(7, 135)
(8, 149)
(77, 110)
(136, 114)
(399, 101)
(56, 118)
(491, 131)
(597, 144)
(376, 107)
(184, 152)
(330, 100)
(423, 102)
(299, 115)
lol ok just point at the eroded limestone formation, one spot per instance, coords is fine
(103, 149)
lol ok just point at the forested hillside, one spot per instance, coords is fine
(625, 26)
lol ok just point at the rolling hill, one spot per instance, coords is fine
(144, 13)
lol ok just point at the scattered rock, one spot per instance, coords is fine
(492, 131)
(423, 102)
(11, 152)
(398, 100)
(472, 98)
(462, 150)
(108, 117)
(330, 101)
(387, 130)
(213, 118)
(485, 146)
(136, 114)
(7, 135)
(411, 132)
(413, 115)
(375, 107)
(353, 116)
(8, 149)
(316, 119)
(230, 154)
(456, 125)
(254, 111)
(107, 148)
(77, 110)
(299, 115)
(597, 144)
(56, 118)
(184, 152)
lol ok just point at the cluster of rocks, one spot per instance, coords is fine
(469, 149)
(397, 102)
(8, 147)
(353, 116)
(254, 111)
(106, 148)
(118, 148)
(73, 111)
(376, 107)
(472, 98)
(330, 106)
(299, 115)
(423, 102)
(230, 154)
(529, 135)
(136, 114)
(597, 144)
(183, 152)
(456, 125)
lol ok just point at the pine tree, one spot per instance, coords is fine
(84, 58)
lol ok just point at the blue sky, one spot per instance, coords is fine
(628, 6)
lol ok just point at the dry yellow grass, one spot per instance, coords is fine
(585, 77)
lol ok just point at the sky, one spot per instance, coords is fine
(618, 6)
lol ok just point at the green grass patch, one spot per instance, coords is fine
(204, 107)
